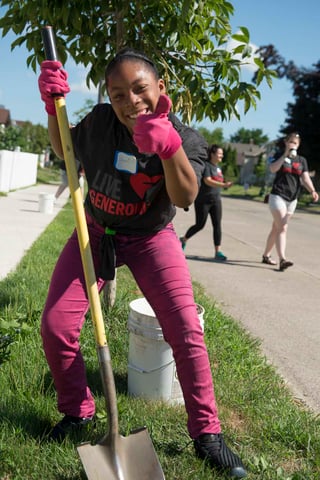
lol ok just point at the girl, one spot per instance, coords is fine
(139, 161)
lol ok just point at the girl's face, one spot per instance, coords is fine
(216, 157)
(293, 142)
(133, 89)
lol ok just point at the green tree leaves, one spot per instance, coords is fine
(189, 41)
(244, 135)
(30, 138)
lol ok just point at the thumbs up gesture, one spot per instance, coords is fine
(154, 133)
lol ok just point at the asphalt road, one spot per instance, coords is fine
(280, 308)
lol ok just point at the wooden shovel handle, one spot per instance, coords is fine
(85, 250)
(77, 199)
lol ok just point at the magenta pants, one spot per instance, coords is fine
(159, 267)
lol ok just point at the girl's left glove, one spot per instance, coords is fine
(154, 133)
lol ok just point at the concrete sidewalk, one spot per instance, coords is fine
(22, 222)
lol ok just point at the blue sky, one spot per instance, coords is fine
(292, 28)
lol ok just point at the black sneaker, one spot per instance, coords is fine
(213, 449)
(68, 425)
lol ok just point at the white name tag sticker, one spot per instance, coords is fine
(125, 162)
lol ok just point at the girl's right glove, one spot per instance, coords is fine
(52, 83)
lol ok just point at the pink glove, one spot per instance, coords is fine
(52, 82)
(154, 133)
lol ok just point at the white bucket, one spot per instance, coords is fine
(46, 202)
(151, 367)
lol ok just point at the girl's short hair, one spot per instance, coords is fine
(128, 53)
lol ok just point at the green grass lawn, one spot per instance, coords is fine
(48, 175)
(277, 438)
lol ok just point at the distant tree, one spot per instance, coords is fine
(260, 169)
(229, 164)
(272, 59)
(187, 40)
(214, 136)
(37, 138)
(303, 115)
(10, 138)
(244, 135)
(30, 138)
(79, 114)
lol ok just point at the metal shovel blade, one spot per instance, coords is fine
(128, 458)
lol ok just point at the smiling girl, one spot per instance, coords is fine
(140, 163)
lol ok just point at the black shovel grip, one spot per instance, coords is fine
(49, 43)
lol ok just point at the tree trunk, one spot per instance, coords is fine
(110, 291)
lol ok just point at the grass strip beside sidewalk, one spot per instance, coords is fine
(276, 436)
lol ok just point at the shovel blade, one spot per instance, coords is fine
(128, 458)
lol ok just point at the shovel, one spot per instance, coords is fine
(114, 457)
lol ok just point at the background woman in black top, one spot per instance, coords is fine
(291, 171)
(208, 201)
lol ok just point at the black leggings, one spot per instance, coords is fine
(202, 210)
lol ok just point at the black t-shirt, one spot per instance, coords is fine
(207, 193)
(126, 189)
(286, 183)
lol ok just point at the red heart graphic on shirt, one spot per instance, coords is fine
(141, 183)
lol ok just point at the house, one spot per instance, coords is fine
(248, 156)
(5, 118)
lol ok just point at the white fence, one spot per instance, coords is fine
(17, 170)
